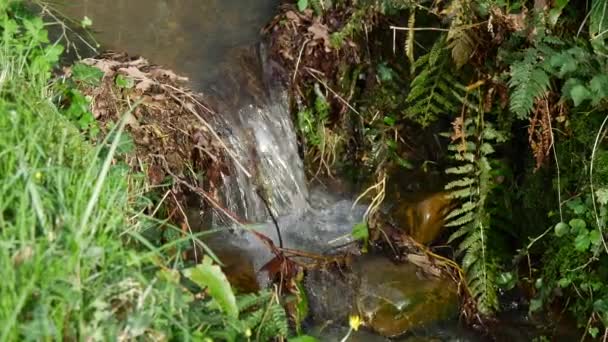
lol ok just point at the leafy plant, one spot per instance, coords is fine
(434, 92)
(472, 148)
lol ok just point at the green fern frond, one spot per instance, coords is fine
(528, 82)
(460, 183)
(468, 217)
(274, 323)
(460, 170)
(464, 230)
(432, 91)
(472, 217)
(464, 208)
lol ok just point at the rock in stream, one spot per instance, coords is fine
(393, 299)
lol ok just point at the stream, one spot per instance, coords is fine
(216, 44)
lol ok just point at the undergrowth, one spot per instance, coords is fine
(523, 85)
(74, 263)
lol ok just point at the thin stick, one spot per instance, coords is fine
(272, 216)
(333, 92)
(295, 72)
(401, 28)
(208, 126)
(597, 217)
(187, 225)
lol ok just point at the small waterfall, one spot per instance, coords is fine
(264, 141)
(261, 133)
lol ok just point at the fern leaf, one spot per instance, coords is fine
(460, 183)
(528, 82)
(464, 208)
(472, 216)
(464, 219)
(462, 193)
(461, 42)
(459, 233)
(432, 89)
(460, 170)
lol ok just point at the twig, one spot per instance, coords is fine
(597, 217)
(207, 125)
(333, 92)
(295, 72)
(181, 210)
(272, 216)
(401, 28)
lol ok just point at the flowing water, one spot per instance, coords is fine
(216, 44)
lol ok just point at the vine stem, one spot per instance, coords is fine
(597, 217)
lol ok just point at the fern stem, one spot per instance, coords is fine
(597, 217)
(401, 28)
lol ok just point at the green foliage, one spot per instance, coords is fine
(261, 318)
(302, 5)
(352, 27)
(472, 218)
(361, 233)
(207, 275)
(312, 121)
(528, 81)
(74, 262)
(86, 74)
(434, 92)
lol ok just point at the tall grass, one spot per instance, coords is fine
(65, 270)
(74, 264)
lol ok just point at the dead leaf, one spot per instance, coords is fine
(320, 32)
(133, 72)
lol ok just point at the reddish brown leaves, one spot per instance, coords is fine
(540, 131)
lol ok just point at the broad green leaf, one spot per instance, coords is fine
(361, 231)
(536, 304)
(579, 93)
(564, 282)
(602, 196)
(207, 275)
(302, 5)
(506, 280)
(578, 224)
(87, 74)
(124, 82)
(389, 121)
(595, 237)
(385, 72)
(303, 338)
(582, 241)
(556, 11)
(601, 307)
(561, 229)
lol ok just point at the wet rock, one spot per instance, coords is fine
(335, 333)
(423, 218)
(393, 299)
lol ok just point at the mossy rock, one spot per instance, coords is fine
(395, 299)
(423, 218)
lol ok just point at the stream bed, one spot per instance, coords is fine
(216, 44)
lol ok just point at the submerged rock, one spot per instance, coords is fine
(393, 299)
(423, 218)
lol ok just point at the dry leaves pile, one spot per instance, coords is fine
(301, 41)
(540, 132)
(167, 122)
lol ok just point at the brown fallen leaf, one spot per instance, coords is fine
(320, 32)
